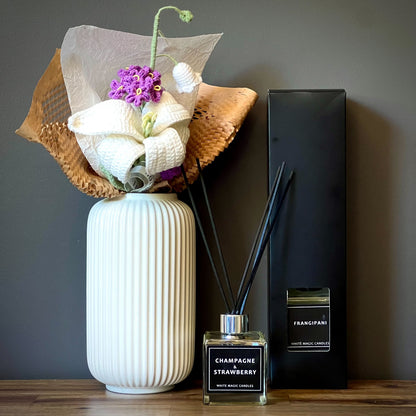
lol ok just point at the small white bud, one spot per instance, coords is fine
(186, 78)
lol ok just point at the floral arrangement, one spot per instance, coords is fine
(142, 129)
(122, 112)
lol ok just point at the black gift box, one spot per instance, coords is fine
(307, 258)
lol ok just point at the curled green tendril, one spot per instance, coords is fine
(185, 15)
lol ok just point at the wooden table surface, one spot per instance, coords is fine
(89, 397)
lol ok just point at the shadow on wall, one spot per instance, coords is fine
(369, 242)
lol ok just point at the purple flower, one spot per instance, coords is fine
(169, 174)
(117, 90)
(147, 83)
(137, 85)
(137, 97)
(123, 72)
(156, 93)
(129, 71)
(145, 71)
(156, 76)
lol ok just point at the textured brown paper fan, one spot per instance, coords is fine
(217, 118)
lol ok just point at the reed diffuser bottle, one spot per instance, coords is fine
(235, 359)
(234, 363)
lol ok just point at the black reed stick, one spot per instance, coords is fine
(261, 240)
(205, 240)
(214, 230)
(268, 230)
(260, 231)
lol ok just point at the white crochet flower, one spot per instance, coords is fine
(112, 137)
(186, 78)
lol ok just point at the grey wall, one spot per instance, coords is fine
(367, 47)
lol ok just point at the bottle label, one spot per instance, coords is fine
(308, 329)
(235, 369)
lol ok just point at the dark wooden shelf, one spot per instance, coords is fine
(89, 397)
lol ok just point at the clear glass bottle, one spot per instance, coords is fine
(234, 363)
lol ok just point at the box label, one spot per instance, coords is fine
(308, 328)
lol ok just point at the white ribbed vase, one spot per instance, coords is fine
(140, 292)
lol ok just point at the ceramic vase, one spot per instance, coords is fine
(140, 292)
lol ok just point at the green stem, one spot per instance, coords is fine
(168, 56)
(185, 16)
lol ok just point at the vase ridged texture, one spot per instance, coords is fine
(140, 291)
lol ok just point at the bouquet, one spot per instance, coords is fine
(123, 112)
